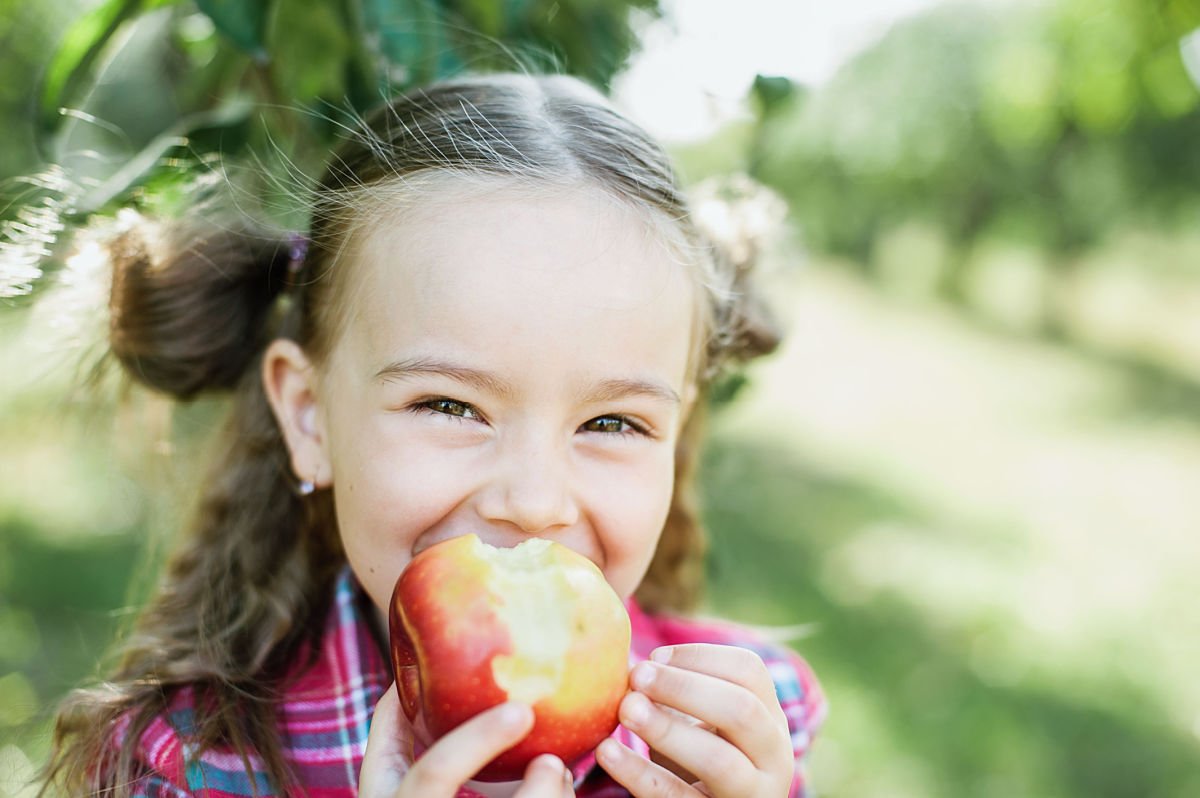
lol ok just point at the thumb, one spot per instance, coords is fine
(389, 752)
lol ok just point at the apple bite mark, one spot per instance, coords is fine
(537, 608)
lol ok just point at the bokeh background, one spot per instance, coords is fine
(969, 475)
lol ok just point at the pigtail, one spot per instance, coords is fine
(190, 304)
(192, 307)
(738, 218)
(746, 325)
(675, 579)
(734, 219)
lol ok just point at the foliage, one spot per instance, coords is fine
(21, 41)
(1046, 123)
(140, 91)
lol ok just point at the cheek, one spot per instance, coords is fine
(388, 492)
(629, 511)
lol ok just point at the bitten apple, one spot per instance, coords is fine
(473, 626)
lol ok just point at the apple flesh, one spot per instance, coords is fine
(473, 626)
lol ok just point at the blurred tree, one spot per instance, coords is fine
(153, 85)
(24, 38)
(1045, 123)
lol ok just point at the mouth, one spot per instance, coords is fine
(508, 540)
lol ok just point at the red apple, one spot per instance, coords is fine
(473, 626)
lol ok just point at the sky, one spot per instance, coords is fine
(697, 63)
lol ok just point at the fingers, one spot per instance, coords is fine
(730, 663)
(695, 752)
(546, 777)
(389, 749)
(641, 777)
(387, 771)
(710, 714)
(756, 731)
(462, 753)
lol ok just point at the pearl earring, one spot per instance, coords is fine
(306, 487)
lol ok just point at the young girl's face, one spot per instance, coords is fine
(513, 364)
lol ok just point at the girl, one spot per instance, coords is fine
(501, 321)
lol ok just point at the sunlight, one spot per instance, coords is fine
(720, 47)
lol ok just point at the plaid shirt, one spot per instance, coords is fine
(326, 712)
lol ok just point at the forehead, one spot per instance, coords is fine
(507, 271)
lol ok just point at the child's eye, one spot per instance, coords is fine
(450, 407)
(618, 425)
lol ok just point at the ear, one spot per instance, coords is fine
(290, 382)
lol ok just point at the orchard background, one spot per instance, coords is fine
(968, 476)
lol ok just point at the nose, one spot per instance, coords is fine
(531, 488)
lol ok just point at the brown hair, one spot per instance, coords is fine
(193, 306)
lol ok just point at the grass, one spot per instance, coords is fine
(997, 551)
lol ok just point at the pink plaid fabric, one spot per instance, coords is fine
(326, 713)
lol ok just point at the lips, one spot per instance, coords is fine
(507, 539)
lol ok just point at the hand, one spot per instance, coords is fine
(735, 744)
(388, 770)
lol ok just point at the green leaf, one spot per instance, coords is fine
(136, 169)
(772, 92)
(412, 36)
(490, 18)
(310, 49)
(81, 45)
(363, 70)
(242, 21)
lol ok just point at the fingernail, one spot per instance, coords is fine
(549, 762)
(610, 749)
(635, 710)
(513, 714)
(643, 676)
(662, 655)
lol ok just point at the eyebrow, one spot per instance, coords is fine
(604, 391)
